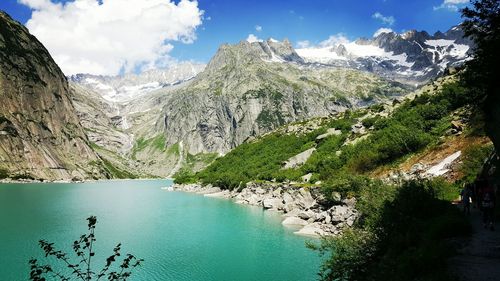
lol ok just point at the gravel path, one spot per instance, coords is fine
(479, 258)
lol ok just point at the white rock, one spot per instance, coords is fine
(294, 221)
(305, 215)
(277, 192)
(287, 198)
(222, 194)
(298, 159)
(329, 132)
(338, 213)
(291, 212)
(313, 229)
(307, 178)
(272, 203)
(254, 199)
(209, 190)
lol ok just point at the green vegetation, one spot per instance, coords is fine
(258, 160)
(482, 25)
(157, 143)
(473, 159)
(402, 230)
(400, 236)
(186, 174)
(83, 269)
(113, 170)
(413, 126)
(4, 173)
(116, 172)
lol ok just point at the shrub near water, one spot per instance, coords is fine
(401, 235)
(251, 161)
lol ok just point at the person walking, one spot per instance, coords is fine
(488, 206)
(466, 196)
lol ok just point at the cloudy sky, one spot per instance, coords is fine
(117, 36)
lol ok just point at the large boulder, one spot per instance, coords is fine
(313, 230)
(306, 215)
(294, 221)
(329, 132)
(299, 159)
(273, 203)
(339, 213)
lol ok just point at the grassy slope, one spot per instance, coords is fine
(416, 126)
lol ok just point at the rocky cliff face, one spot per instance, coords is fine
(40, 134)
(247, 90)
(251, 88)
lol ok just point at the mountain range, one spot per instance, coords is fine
(156, 122)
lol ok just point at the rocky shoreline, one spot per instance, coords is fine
(301, 207)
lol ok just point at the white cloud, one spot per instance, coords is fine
(389, 20)
(258, 28)
(382, 30)
(252, 38)
(333, 40)
(452, 5)
(110, 36)
(303, 44)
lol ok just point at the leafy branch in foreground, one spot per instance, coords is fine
(82, 270)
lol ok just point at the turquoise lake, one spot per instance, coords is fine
(181, 236)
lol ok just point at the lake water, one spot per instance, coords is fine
(182, 237)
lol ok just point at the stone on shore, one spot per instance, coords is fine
(272, 203)
(313, 230)
(294, 221)
(301, 206)
(222, 194)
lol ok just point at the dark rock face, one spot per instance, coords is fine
(40, 134)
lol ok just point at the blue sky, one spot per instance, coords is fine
(229, 21)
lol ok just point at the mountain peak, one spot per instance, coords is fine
(250, 50)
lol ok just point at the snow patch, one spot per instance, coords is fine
(326, 54)
(443, 167)
(322, 55)
(439, 43)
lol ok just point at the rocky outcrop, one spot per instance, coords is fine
(124, 88)
(299, 159)
(40, 134)
(301, 207)
(242, 94)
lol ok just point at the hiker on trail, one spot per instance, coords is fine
(488, 206)
(466, 195)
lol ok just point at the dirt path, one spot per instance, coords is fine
(479, 258)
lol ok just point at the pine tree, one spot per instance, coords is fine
(482, 24)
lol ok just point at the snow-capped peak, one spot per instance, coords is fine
(130, 86)
(413, 56)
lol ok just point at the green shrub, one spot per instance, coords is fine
(473, 159)
(352, 251)
(402, 234)
(369, 122)
(4, 173)
(261, 160)
(184, 176)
